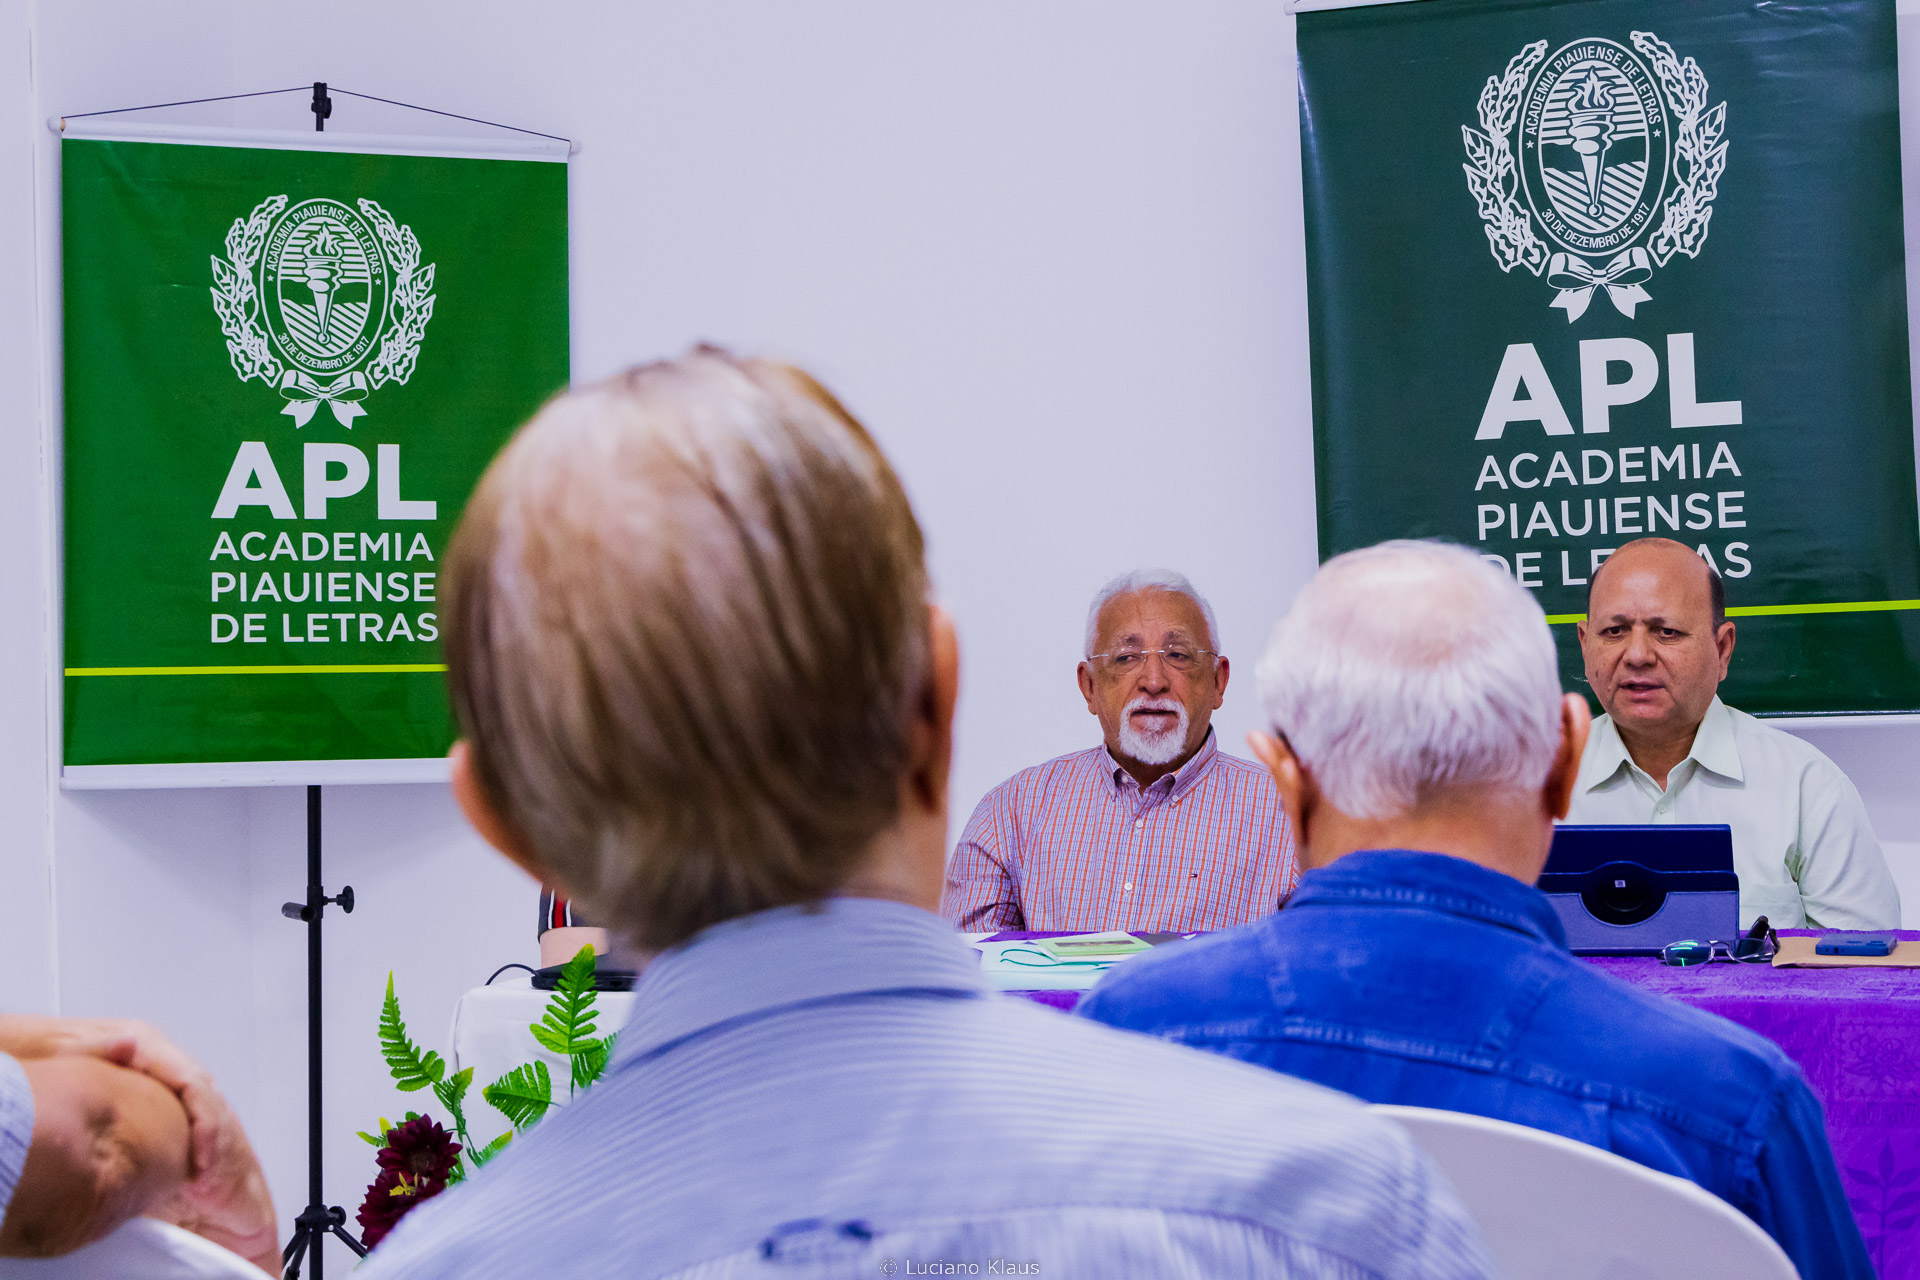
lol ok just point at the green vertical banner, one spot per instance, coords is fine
(1587, 271)
(285, 371)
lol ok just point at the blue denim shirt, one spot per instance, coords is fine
(1429, 981)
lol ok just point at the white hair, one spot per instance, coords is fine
(1410, 669)
(1154, 748)
(1136, 580)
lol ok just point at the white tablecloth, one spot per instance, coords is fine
(490, 1034)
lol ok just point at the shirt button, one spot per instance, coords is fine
(1129, 886)
(1139, 823)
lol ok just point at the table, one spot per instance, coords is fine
(1855, 1034)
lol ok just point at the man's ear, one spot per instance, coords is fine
(1221, 670)
(1576, 722)
(1297, 793)
(1723, 641)
(1085, 676)
(931, 761)
(492, 825)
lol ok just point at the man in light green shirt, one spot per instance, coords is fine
(1657, 644)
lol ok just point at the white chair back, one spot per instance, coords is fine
(1555, 1209)
(142, 1249)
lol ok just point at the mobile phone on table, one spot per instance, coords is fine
(1856, 944)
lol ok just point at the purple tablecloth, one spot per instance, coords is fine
(1856, 1035)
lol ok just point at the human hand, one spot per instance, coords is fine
(227, 1201)
(138, 1047)
(108, 1144)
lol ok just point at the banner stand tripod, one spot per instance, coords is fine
(310, 1229)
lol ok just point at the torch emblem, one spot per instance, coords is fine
(1590, 132)
(1595, 165)
(324, 302)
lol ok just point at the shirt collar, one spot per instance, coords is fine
(1605, 755)
(1408, 878)
(1183, 779)
(1713, 743)
(1714, 749)
(757, 964)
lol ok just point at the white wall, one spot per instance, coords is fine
(28, 979)
(1052, 253)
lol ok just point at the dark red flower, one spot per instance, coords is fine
(414, 1166)
(420, 1148)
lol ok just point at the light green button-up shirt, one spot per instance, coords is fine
(1803, 847)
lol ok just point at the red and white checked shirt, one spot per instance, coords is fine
(1075, 844)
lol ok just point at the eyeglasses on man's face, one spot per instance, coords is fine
(1127, 662)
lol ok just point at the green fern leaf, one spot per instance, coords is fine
(567, 1024)
(590, 1062)
(522, 1095)
(410, 1068)
(493, 1148)
(454, 1088)
(370, 1140)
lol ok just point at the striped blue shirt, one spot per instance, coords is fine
(834, 1091)
(16, 1127)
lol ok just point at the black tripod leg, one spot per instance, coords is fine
(346, 1237)
(290, 1257)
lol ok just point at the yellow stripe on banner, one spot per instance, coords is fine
(341, 669)
(1781, 610)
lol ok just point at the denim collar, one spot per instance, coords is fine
(757, 964)
(1408, 879)
(1175, 784)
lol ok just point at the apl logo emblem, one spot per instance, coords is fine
(1613, 158)
(322, 303)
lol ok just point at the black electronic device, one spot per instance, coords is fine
(1631, 890)
(608, 975)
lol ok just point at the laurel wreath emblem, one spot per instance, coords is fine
(1699, 151)
(1699, 158)
(236, 299)
(412, 299)
(237, 302)
(1491, 174)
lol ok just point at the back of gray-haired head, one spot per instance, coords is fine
(1135, 580)
(1408, 670)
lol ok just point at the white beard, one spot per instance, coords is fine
(1153, 748)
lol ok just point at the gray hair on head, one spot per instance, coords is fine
(657, 602)
(1409, 670)
(1137, 580)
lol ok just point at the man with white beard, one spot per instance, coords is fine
(1156, 830)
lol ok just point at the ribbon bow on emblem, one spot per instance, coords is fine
(1576, 280)
(304, 396)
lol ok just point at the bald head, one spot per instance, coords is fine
(1656, 642)
(1667, 556)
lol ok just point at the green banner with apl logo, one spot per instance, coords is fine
(285, 372)
(1588, 271)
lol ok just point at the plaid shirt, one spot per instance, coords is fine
(1077, 844)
